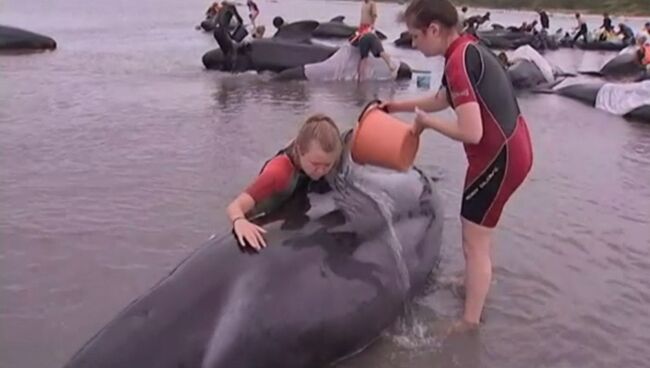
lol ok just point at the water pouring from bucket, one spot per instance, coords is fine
(383, 140)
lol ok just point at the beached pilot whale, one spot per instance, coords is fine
(343, 65)
(326, 286)
(16, 39)
(334, 28)
(528, 69)
(267, 54)
(626, 65)
(630, 100)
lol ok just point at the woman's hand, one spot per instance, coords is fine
(249, 234)
(420, 123)
(385, 106)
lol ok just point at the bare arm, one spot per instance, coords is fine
(468, 127)
(373, 12)
(240, 206)
(431, 103)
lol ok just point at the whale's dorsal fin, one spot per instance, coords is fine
(338, 19)
(299, 32)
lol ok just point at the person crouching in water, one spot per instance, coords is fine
(307, 159)
(367, 41)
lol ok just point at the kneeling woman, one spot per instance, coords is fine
(489, 124)
(309, 157)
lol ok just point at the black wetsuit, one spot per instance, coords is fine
(581, 32)
(502, 159)
(607, 24)
(628, 34)
(543, 19)
(222, 33)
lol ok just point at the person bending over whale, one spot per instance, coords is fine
(367, 41)
(490, 125)
(222, 33)
(305, 161)
(627, 33)
(643, 52)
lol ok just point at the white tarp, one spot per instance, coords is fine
(528, 53)
(621, 98)
(344, 64)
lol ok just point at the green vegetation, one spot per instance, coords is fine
(616, 7)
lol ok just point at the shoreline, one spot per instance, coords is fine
(568, 11)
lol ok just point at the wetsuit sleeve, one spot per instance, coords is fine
(462, 72)
(275, 176)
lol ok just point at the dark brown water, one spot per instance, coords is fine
(118, 154)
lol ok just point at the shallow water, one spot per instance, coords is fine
(118, 154)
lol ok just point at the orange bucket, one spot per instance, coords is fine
(382, 140)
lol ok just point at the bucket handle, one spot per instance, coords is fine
(369, 105)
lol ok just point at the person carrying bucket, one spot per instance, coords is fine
(488, 123)
(307, 159)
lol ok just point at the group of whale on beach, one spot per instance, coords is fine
(292, 53)
(223, 307)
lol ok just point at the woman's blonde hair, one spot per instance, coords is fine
(322, 129)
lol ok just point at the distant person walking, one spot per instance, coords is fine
(581, 28)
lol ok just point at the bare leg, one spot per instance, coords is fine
(478, 268)
(362, 70)
(388, 60)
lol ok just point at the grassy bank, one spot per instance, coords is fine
(615, 7)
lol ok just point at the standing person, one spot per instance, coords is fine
(253, 12)
(581, 28)
(488, 122)
(224, 36)
(543, 19)
(368, 14)
(607, 23)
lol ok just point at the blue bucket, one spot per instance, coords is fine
(423, 81)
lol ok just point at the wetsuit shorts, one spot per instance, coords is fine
(499, 163)
(369, 43)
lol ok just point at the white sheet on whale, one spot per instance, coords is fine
(343, 65)
(621, 98)
(528, 53)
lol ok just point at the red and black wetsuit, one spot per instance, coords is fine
(278, 180)
(501, 160)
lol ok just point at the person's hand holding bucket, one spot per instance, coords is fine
(420, 123)
(383, 140)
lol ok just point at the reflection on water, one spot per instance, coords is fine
(119, 154)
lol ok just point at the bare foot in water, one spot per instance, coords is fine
(461, 326)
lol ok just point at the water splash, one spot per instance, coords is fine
(351, 178)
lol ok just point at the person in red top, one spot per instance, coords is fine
(309, 157)
(490, 126)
